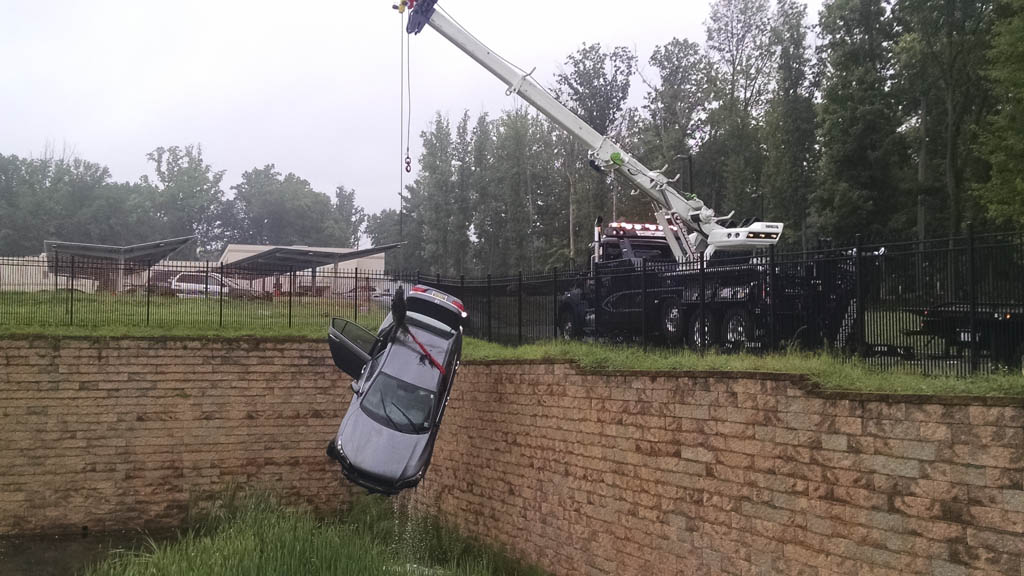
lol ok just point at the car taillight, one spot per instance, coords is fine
(419, 289)
(458, 304)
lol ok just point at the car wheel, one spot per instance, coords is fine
(567, 325)
(708, 327)
(672, 321)
(737, 327)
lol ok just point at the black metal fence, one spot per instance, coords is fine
(951, 306)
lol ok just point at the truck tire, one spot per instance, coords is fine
(671, 319)
(737, 326)
(710, 329)
(568, 327)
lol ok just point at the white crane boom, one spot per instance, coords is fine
(690, 226)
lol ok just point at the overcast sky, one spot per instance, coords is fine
(310, 85)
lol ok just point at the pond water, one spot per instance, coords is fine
(62, 555)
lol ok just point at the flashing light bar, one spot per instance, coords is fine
(629, 228)
(762, 235)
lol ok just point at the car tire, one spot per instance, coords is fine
(737, 327)
(568, 326)
(671, 322)
(710, 329)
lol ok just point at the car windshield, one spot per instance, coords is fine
(399, 405)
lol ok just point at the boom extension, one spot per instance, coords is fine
(691, 227)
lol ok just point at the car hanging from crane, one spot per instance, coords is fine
(402, 379)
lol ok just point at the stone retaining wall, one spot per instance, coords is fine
(579, 472)
(588, 473)
(113, 434)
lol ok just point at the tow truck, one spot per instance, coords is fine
(713, 284)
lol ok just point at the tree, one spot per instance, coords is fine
(384, 228)
(1002, 140)
(789, 126)
(349, 218)
(739, 44)
(676, 105)
(595, 86)
(69, 198)
(942, 46)
(862, 152)
(435, 209)
(487, 213)
(461, 215)
(285, 210)
(187, 195)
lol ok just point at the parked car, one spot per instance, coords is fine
(402, 379)
(203, 285)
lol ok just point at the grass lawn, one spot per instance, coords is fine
(105, 315)
(255, 536)
(132, 314)
(830, 372)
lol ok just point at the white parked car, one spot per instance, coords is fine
(201, 285)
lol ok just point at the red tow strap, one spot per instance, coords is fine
(426, 352)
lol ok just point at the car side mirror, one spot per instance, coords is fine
(355, 387)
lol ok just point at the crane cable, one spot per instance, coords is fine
(404, 118)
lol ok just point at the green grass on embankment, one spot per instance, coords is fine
(832, 373)
(256, 536)
(201, 319)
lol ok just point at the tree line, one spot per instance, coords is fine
(905, 121)
(62, 197)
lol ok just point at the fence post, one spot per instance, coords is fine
(418, 279)
(859, 322)
(462, 288)
(291, 291)
(355, 313)
(72, 291)
(149, 287)
(597, 301)
(220, 304)
(519, 310)
(643, 303)
(702, 332)
(206, 281)
(972, 299)
(771, 297)
(490, 333)
(438, 281)
(554, 298)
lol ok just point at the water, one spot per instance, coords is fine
(62, 555)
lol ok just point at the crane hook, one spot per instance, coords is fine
(408, 164)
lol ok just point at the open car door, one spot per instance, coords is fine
(351, 345)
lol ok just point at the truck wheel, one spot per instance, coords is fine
(567, 325)
(672, 321)
(710, 329)
(736, 326)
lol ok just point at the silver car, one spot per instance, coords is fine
(403, 377)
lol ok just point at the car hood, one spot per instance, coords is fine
(379, 450)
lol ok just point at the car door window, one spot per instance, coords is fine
(356, 334)
(350, 345)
